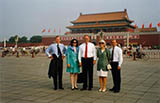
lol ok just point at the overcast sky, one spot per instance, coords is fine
(29, 17)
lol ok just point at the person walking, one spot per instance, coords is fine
(87, 58)
(72, 62)
(116, 61)
(103, 55)
(56, 52)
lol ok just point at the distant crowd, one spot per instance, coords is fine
(23, 51)
(131, 51)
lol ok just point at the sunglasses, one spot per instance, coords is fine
(101, 43)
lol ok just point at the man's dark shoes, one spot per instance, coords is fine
(111, 89)
(83, 89)
(116, 91)
(61, 88)
(55, 88)
(89, 89)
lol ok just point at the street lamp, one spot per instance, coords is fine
(128, 40)
(16, 40)
(4, 43)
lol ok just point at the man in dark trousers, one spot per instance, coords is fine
(56, 52)
(87, 58)
(116, 61)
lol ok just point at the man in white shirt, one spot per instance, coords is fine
(116, 61)
(87, 58)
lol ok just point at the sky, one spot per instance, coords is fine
(30, 17)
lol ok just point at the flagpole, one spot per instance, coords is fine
(128, 40)
(16, 40)
(4, 43)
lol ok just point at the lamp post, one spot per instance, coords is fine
(128, 40)
(4, 43)
(16, 40)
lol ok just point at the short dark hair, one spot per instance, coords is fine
(71, 43)
(86, 35)
(57, 36)
(113, 40)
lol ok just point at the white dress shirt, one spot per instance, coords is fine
(117, 56)
(91, 51)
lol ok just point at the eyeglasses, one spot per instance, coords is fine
(74, 42)
(101, 43)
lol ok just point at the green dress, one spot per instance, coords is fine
(103, 59)
(72, 59)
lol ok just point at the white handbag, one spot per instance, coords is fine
(109, 67)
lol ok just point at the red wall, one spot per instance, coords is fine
(144, 39)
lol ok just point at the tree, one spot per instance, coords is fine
(20, 39)
(36, 39)
(23, 40)
(12, 39)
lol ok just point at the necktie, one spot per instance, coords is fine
(59, 51)
(112, 54)
(86, 50)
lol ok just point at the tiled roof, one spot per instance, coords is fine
(98, 25)
(110, 16)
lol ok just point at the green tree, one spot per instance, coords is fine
(23, 40)
(12, 39)
(36, 39)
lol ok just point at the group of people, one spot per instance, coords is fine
(11, 51)
(134, 51)
(85, 56)
(22, 51)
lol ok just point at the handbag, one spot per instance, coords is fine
(109, 67)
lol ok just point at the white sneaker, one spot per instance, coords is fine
(100, 90)
(104, 90)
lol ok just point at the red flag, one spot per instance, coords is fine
(150, 25)
(135, 25)
(158, 24)
(54, 30)
(43, 30)
(143, 26)
(49, 30)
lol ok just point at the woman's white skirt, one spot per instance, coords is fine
(102, 73)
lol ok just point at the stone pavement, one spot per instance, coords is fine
(25, 80)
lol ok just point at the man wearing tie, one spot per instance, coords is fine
(116, 61)
(56, 52)
(87, 58)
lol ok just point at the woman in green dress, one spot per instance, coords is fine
(72, 62)
(103, 55)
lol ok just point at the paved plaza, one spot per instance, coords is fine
(25, 80)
